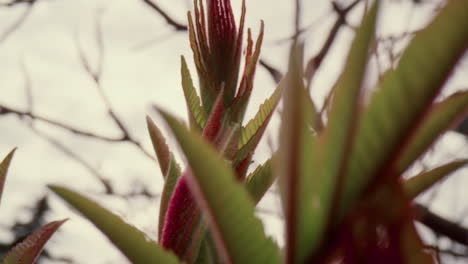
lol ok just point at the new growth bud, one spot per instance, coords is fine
(216, 43)
(222, 41)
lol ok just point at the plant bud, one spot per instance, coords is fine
(222, 40)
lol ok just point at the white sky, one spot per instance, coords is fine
(141, 67)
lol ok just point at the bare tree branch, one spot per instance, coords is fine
(8, 110)
(16, 2)
(27, 86)
(297, 19)
(176, 25)
(441, 226)
(96, 77)
(462, 128)
(17, 24)
(274, 73)
(108, 188)
(67, 151)
(314, 63)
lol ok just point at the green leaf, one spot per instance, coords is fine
(441, 116)
(423, 181)
(29, 250)
(296, 163)
(226, 204)
(161, 149)
(4, 165)
(172, 176)
(199, 45)
(260, 180)
(197, 115)
(252, 132)
(130, 241)
(335, 141)
(405, 95)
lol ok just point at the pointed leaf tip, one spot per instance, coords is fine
(406, 94)
(441, 117)
(4, 165)
(133, 243)
(252, 132)
(160, 146)
(423, 181)
(29, 250)
(196, 112)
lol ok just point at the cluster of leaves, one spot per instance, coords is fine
(343, 195)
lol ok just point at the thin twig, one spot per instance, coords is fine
(16, 2)
(274, 73)
(27, 86)
(108, 189)
(96, 77)
(67, 151)
(8, 110)
(297, 20)
(176, 25)
(441, 226)
(314, 63)
(17, 24)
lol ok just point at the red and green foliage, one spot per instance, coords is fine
(341, 186)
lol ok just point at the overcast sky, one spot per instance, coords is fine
(141, 62)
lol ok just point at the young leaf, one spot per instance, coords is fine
(197, 115)
(259, 181)
(130, 241)
(198, 46)
(399, 105)
(172, 176)
(239, 41)
(161, 149)
(253, 131)
(29, 250)
(441, 116)
(4, 170)
(295, 165)
(226, 204)
(239, 105)
(423, 181)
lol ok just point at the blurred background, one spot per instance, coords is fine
(77, 79)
